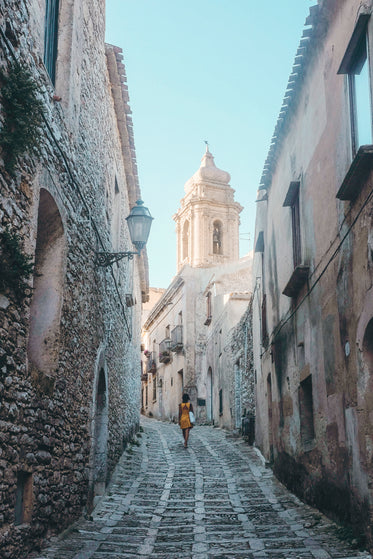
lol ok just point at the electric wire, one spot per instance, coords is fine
(278, 329)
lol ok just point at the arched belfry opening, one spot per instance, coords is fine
(48, 281)
(217, 238)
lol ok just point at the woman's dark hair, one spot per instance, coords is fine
(185, 398)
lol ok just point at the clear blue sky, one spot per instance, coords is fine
(199, 70)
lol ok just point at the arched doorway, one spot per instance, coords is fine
(100, 435)
(270, 426)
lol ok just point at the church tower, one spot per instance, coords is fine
(207, 221)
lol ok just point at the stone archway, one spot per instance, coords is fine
(99, 432)
(100, 435)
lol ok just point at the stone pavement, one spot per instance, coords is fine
(213, 500)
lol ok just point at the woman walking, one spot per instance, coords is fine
(184, 421)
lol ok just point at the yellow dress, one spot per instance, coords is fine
(184, 419)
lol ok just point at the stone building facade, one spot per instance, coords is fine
(69, 332)
(189, 337)
(313, 297)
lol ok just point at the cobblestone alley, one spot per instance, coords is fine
(213, 500)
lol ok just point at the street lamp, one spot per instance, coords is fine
(139, 223)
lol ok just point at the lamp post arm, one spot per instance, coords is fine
(108, 258)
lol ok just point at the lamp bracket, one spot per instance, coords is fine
(108, 258)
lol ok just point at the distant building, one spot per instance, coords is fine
(313, 269)
(188, 336)
(69, 328)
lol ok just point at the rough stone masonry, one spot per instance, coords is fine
(69, 343)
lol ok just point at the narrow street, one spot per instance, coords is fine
(213, 500)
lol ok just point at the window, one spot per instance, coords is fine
(359, 88)
(51, 37)
(355, 65)
(259, 245)
(277, 360)
(292, 201)
(295, 227)
(264, 321)
(217, 238)
(221, 401)
(307, 431)
(300, 271)
(154, 389)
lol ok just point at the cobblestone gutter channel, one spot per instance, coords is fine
(212, 500)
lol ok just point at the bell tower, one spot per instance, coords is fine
(208, 218)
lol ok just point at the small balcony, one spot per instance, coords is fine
(177, 339)
(151, 365)
(165, 351)
(357, 174)
(297, 280)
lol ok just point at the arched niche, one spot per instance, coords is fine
(46, 304)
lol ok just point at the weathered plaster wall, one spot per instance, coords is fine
(313, 378)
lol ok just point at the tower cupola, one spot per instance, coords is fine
(208, 220)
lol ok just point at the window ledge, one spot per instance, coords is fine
(297, 280)
(356, 174)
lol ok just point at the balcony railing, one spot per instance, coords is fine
(177, 339)
(165, 351)
(151, 365)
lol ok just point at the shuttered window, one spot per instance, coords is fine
(51, 37)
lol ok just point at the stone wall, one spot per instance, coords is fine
(70, 349)
(241, 347)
